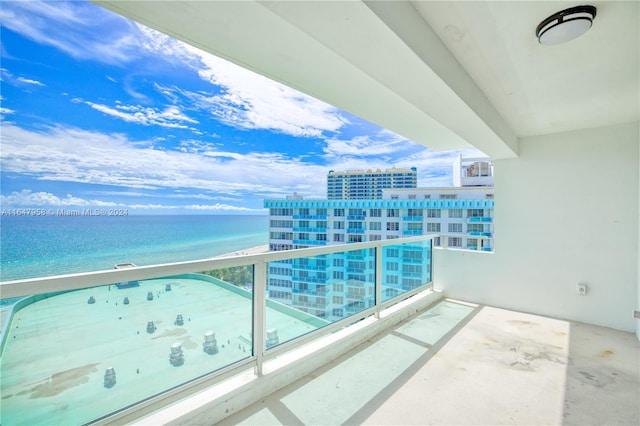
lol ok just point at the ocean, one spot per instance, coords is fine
(40, 246)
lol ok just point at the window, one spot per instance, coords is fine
(338, 262)
(338, 225)
(338, 212)
(321, 212)
(475, 213)
(472, 243)
(433, 227)
(375, 237)
(321, 237)
(394, 196)
(392, 279)
(303, 212)
(338, 288)
(427, 196)
(433, 212)
(281, 224)
(393, 252)
(475, 227)
(393, 213)
(375, 226)
(279, 294)
(455, 227)
(339, 300)
(412, 270)
(281, 212)
(375, 212)
(448, 196)
(355, 238)
(281, 236)
(490, 196)
(274, 270)
(338, 238)
(356, 225)
(392, 266)
(393, 226)
(337, 313)
(414, 212)
(275, 282)
(454, 242)
(455, 213)
(412, 196)
(415, 226)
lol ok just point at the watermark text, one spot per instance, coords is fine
(64, 212)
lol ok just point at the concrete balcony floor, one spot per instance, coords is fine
(457, 363)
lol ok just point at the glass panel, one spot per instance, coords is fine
(405, 267)
(71, 357)
(317, 291)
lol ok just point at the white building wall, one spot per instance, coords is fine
(568, 214)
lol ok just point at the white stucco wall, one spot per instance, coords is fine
(566, 213)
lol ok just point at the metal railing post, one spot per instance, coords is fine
(259, 313)
(378, 279)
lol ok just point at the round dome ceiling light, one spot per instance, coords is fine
(565, 25)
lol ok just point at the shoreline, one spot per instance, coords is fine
(252, 250)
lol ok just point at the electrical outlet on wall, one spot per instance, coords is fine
(582, 289)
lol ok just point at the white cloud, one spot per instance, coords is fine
(76, 28)
(29, 198)
(171, 116)
(195, 207)
(73, 155)
(246, 99)
(29, 81)
(385, 143)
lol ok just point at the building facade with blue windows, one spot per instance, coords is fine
(461, 217)
(368, 184)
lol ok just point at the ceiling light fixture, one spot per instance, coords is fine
(565, 25)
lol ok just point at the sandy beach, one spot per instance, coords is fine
(252, 250)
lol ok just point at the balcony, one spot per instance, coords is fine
(355, 231)
(488, 365)
(97, 348)
(310, 216)
(310, 242)
(477, 365)
(412, 218)
(308, 229)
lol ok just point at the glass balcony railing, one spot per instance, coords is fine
(99, 342)
(480, 219)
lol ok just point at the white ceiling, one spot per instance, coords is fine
(445, 74)
(591, 81)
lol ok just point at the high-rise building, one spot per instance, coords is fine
(368, 185)
(462, 216)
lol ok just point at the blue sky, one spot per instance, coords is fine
(100, 112)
